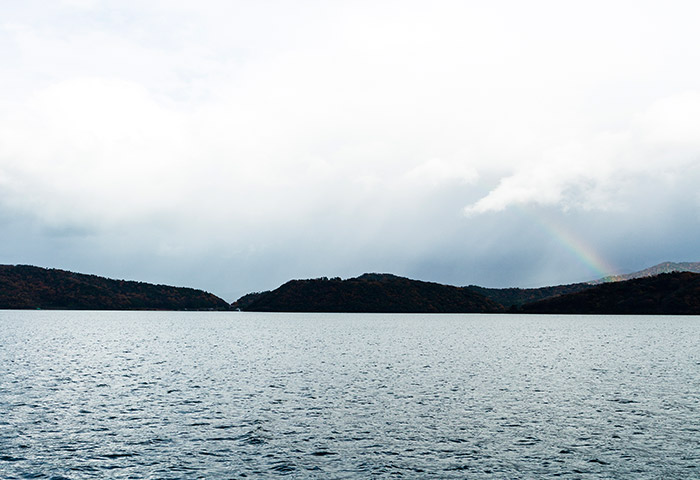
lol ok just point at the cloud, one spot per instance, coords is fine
(436, 172)
(672, 122)
(660, 143)
(319, 138)
(93, 150)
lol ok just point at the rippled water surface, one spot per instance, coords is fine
(235, 395)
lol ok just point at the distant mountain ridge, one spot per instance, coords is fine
(664, 267)
(29, 287)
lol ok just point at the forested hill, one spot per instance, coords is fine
(371, 292)
(515, 297)
(665, 267)
(28, 287)
(671, 293)
(509, 297)
(668, 293)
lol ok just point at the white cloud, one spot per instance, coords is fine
(92, 150)
(80, 3)
(436, 172)
(672, 122)
(599, 172)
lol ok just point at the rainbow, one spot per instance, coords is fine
(582, 251)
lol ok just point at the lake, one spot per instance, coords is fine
(172, 395)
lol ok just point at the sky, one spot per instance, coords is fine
(235, 145)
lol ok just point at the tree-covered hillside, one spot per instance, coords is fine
(28, 287)
(668, 293)
(372, 292)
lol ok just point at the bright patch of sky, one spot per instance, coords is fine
(233, 145)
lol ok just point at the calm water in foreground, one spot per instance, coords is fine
(235, 395)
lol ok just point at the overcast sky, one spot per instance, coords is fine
(234, 145)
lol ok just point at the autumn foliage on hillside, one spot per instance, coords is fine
(28, 287)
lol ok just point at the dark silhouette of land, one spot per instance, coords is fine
(371, 292)
(668, 293)
(509, 297)
(28, 287)
(664, 267)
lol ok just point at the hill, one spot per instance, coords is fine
(668, 293)
(371, 292)
(513, 297)
(665, 267)
(28, 287)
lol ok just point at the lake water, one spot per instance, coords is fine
(236, 395)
